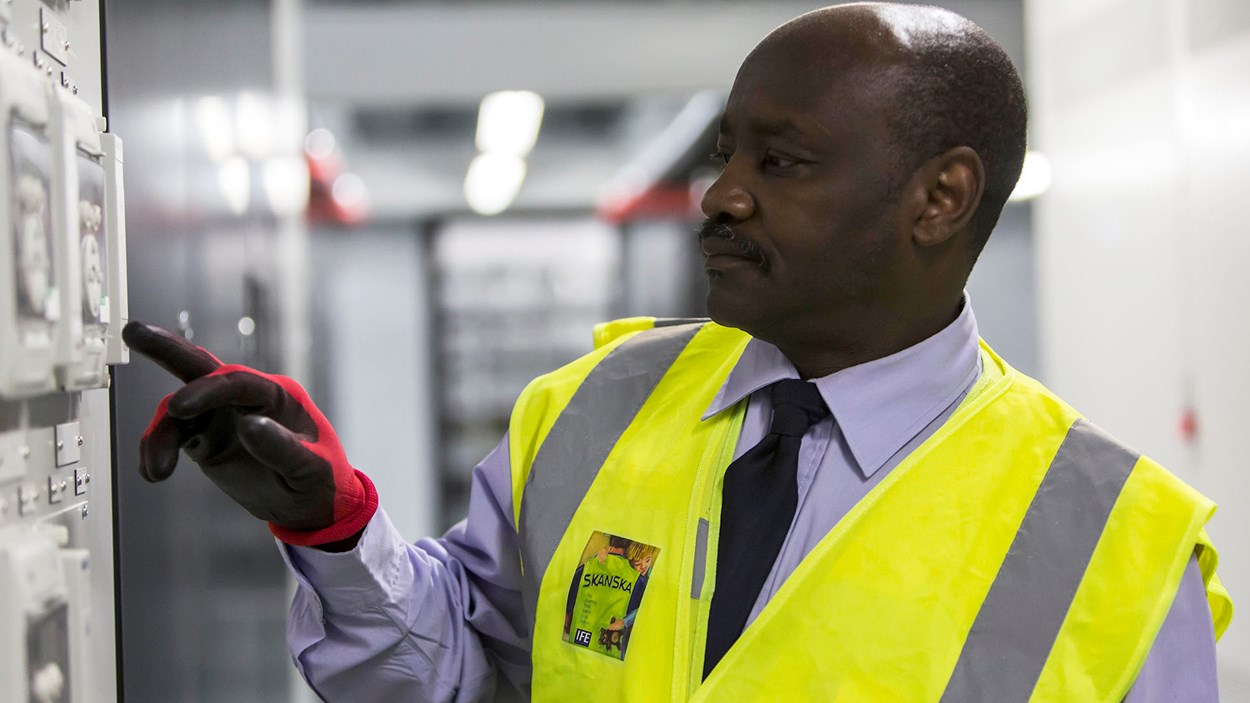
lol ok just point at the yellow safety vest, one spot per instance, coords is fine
(1018, 554)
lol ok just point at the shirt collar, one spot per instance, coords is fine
(879, 405)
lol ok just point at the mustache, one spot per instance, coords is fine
(722, 230)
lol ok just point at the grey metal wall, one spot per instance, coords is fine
(202, 596)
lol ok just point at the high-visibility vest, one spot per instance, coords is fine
(1018, 554)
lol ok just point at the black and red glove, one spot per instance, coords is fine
(258, 437)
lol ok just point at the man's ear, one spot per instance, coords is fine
(947, 190)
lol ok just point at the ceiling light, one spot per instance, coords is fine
(508, 122)
(216, 125)
(493, 182)
(285, 181)
(234, 179)
(254, 126)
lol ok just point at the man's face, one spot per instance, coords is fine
(805, 193)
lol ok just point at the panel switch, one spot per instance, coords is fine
(56, 489)
(68, 444)
(53, 36)
(81, 479)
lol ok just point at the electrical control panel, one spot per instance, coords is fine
(31, 299)
(62, 306)
(45, 615)
(85, 235)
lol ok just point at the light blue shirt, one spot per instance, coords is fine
(434, 620)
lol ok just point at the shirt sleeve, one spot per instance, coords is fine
(431, 621)
(1181, 663)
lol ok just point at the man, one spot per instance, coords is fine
(849, 498)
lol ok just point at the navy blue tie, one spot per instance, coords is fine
(760, 495)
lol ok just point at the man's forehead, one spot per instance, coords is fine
(788, 93)
(823, 51)
(772, 121)
(823, 120)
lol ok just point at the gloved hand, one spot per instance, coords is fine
(258, 437)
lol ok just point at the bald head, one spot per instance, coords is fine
(941, 81)
(892, 26)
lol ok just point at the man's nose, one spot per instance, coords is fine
(728, 198)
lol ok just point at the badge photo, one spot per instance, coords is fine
(606, 592)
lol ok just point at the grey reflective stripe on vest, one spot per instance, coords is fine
(675, 321)
(1020, 618)
(700, 559)
(583, 435)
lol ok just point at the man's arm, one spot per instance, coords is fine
(1181, 663)
(431, 621)
(384, 620)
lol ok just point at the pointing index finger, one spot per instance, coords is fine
(173, 353)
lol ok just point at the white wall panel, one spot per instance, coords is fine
(1217, 143)
(1144, 110)
(1109, 275)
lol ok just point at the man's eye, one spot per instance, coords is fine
(778, 161)
(721, 157)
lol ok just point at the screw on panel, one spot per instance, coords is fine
(27, 499)
(84, 510)
(24, 451)
(79, 438)
(88, 478)
(60, 446)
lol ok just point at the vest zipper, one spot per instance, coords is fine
(706, 509)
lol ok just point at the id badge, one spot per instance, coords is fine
(606, 592)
